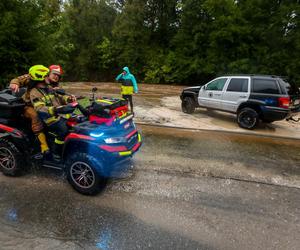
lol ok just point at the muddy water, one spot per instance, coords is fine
(226, 155)
(166, 203)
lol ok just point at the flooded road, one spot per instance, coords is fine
(220, 154)
(171, 199)
(55, 217)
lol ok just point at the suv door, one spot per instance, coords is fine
(210, 95)
(237, 91)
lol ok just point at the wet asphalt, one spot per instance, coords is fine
(188, 190)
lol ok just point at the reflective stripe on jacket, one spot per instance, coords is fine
(44, 101)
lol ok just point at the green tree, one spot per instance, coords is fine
(142, 34)
(19, 38)
(90, 24)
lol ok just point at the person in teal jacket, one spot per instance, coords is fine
(128, 87)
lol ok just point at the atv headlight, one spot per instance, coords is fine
(96, 135)
(114, 140)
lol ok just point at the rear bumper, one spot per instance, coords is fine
(277, 114)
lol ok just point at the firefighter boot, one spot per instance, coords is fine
(43, 142)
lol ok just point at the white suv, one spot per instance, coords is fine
(251, 97)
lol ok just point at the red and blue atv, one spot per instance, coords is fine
(100, 143)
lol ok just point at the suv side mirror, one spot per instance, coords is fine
(204, 87)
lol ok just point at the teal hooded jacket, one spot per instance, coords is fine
(128, 76)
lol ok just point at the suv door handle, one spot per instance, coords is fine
(243, 96)
(218, 94)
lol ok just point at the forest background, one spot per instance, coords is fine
(161, 41)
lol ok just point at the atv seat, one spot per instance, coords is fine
(10, 106)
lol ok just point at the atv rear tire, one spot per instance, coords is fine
(82, 173)
(11, 159)
(188, 105)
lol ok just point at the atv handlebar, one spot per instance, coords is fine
(66, 109)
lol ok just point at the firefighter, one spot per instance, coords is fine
(128, 87)
(29, 112)
(55, 74)
(51, 107)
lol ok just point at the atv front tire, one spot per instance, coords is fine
(82, 173)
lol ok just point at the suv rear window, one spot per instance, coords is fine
(265, 86)
(238, 85)
(291, 89)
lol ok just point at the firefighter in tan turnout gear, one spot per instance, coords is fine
(53, 109)
(36, 73)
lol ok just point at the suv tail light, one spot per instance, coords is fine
(284, 102)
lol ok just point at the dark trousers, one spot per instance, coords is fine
(128, 98)
(60, 130)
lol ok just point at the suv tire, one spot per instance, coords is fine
(188, 105)
(11, 159)
(247, 118)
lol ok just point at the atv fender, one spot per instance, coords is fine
(86, 147)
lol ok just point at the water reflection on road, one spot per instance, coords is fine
(62, 219)
(166, 203)
(224, 154)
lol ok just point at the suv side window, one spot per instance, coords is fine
(265, 86)
(238, 85)
(216, 84)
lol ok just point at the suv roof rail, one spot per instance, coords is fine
(255, 75)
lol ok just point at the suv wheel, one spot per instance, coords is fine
(247, 118)
(188, 105)
(82, 174)
(10, 158)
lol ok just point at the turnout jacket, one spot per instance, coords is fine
(23, 81)
(45, 100)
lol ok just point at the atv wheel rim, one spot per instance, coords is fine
(82, 174)
(7, 160)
